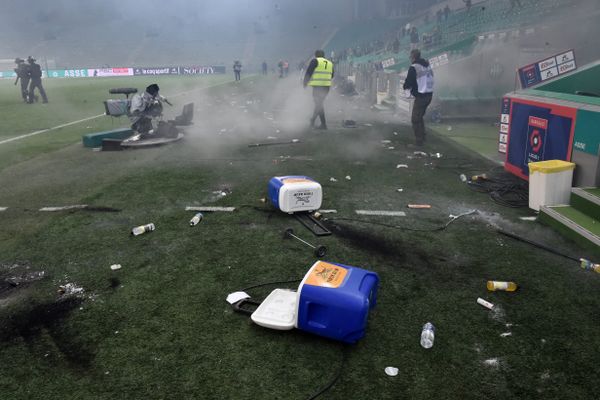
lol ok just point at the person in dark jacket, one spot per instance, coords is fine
(319, 75)
(36, 80)
(237, 70)
(22, 72)
(419, 81)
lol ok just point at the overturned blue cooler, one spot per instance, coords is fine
(333, 300)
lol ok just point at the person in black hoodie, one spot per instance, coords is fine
(35, 72)
(419, 81)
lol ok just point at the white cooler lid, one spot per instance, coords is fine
(277, 311)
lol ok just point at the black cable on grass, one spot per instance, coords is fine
(342, 363)
(503, 188)
(404, 228)
(101, 209)
(335, 377)
(269, 283)
(538, 245)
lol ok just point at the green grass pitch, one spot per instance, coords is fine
(159, 328)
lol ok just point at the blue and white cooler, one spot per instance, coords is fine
(333, 300)
(295, 193)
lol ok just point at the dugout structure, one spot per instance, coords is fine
(558, 120)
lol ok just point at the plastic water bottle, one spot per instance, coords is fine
(138, 230)
(499, 285)
(427, 335)
(197, 218)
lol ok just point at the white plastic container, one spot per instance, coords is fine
(295, 193)
(550, 183)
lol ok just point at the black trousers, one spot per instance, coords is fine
(418, 123)
(24, 88)
(37, 83)
(142, 125)
(237, 75)
(319, 95)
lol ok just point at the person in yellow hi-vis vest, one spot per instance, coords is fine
(319, 75)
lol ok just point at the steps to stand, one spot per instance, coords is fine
(579, 221)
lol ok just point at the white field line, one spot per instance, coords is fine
(49, 129)
(381, 213)
(95, 116)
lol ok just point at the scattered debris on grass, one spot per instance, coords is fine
(545, 375)
(485, 303)
(63, 208)
(349, 123)
(419, 206)
(505, 334)
(381, 213)
(420, 153)
(70, 289)
(237, 296)
(348, 178)
(401, 166)
(498, 313)
(391, 371)
(3, 208)
(400, 190)
(211, 209)
(196, 219)
(293, 141)
(332, 179)
(26, 277)
(115, 267)
(84, 207)
(492, 362)
(328, 211)
(528, 218)
(138, 230)
(386, 141)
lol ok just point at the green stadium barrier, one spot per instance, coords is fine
(95, 139)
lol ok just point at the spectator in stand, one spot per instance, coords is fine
(396, 46)
(514, 3)
(437, 36)
(427, 40)
(446, 12)
(468, 5)
(414, 38)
